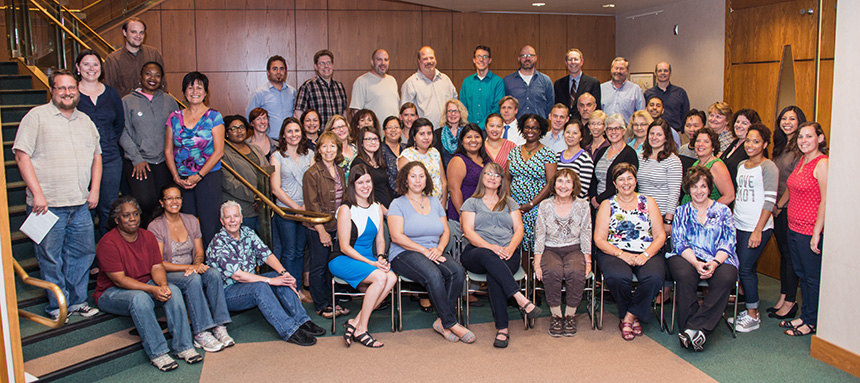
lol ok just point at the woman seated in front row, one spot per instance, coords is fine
(563, 249)
(629, 236)
(132, 282)
(359, 228)
(493, 225)
(181, 246)
(419, 234)
(703, 235)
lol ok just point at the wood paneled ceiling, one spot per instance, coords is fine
(589, 7)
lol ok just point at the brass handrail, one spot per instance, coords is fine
(81, 22)
(311, 217)
(59, 24)
(61, 298)
(254, 164)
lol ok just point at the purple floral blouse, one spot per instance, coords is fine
(193, 146)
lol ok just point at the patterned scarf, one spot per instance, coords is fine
(449, 141)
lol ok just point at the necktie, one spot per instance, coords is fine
(573, 88)
(505, 136)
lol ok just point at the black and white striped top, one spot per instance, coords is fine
(661, 181)
(583, 165)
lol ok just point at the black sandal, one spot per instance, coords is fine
(796, 331)
(787, 324)
(531, 315)
(498, 343)
(367, 340)
(348, 334)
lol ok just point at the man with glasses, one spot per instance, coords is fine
(530, 87)
(481, 92)
(59, 156)
(322, 93)
(569, 88)
(428, 88)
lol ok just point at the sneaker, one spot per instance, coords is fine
(85, 311)
(207, 342)
(746, 323)
(164, 363)
(556, 328)
(57, 317)
(698, 341)
(685, 339)
(569, 325)
(302, 338)
(312, 328)
(190, 356)
(220, 333)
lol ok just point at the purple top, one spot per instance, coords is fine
(470, 183)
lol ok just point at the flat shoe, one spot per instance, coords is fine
(451, 337)
(637, 328)
(469, 338)
(498, 343)
(792, 312)
(797, 332)
(327, 313)
(626, 335)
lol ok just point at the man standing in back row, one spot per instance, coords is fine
(59, 156)
(429, 89)
(482, 91)
(676, 104)
(568, 88)
(531, 88)
(376, 90)
(122, 67)
(322, 92)
(275, 96)
(620, 95)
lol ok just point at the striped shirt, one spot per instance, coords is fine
(661, 181)
(583, 165)
(756, 192)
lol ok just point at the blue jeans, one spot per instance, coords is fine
(281, 307)
(65, 255)
(204, 297)
(443, 281)
(141, 307)
(807, 266)
(293, 237)
(108, 191)
(748, 258)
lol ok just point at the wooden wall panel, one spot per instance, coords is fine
(436, 32)
(246, 39)
(244, 4)
(177, 4)
(372, 4)
(312, 4)
(180, 45)
(311, 36)
(760, 33)
(758, 85)
(356, 34)
(471, 30)
(595, 37)
(553, 43)
(828, 28)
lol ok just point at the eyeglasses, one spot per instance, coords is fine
(614, 128)
(339, 127)
(527, 56)
(177, 198)
(66, 88)
(372, 139)
(236, 127)
(493, 175)
(595, 123)
(640, 125)
(453, 111)
(482, 57)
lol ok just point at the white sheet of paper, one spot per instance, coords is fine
(38, 225)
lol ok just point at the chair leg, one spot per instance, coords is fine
(333, 310)
(674, 296)
(467, 306)
(602, 289)
(399, 306)
(393, 303)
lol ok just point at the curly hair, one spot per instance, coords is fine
(115, 209)
(694, 175)
(569, 173)
(712, 135)
(402, 182)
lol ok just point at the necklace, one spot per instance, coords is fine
(420, 202)
(536, 148)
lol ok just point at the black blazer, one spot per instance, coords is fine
(627, 155)
(437, 143)
(586, 84)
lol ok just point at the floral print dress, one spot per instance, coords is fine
(630, 230)
(528, 178)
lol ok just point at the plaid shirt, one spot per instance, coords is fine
(328, 99)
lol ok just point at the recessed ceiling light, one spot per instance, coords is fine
(538, 4)
(608, 5)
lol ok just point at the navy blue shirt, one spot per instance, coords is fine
(676, 104)
(109, 118)
(537, 97)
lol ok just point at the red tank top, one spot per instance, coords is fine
(804, 197)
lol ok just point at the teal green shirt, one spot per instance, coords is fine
(481, 97)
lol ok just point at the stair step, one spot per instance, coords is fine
(17, 209)
(16, 185)
(13, 114)
(23, 96)
(14, 81)
(8, 67)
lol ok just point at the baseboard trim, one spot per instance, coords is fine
(835, 356)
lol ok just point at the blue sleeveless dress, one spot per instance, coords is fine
(365, 225)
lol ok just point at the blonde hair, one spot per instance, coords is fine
(598, 115)
(721, 108)
(639, 113)
(464, 113)
(329, 126)
(501, 192)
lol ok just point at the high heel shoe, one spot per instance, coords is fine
(791, 313)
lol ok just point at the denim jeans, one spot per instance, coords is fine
(204, 202)
(319, 277)
(108, 191)
(443, 281)
(65, 255)
(293, 237)
(141, 307)
(748, 259)
(204, 298)
(253, 223)
(807, 265)
(281, 307)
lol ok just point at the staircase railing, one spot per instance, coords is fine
(50, 287)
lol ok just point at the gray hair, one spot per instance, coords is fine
(615, 118)
(230, 203)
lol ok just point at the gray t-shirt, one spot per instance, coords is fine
(495, 227)
(424, 230)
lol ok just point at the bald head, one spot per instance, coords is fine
(527, 58)
(663, 71)
(585, 104)
(427, 61)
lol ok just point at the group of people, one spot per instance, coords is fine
(518, 171)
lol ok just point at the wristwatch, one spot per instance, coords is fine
(267, 280)
(284, 271)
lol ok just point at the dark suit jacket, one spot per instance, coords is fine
(627, 155)
(587, 84)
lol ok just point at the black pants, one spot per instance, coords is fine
(501, 284)
(707, 316)
(319, 277)
(618, 276)
(788, 279)
(146, 191)
(204, 202)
